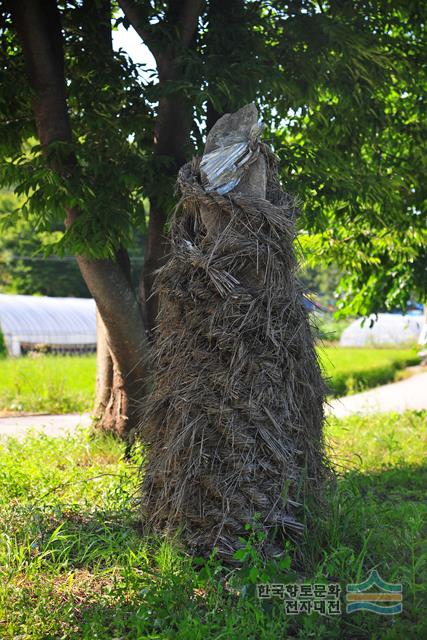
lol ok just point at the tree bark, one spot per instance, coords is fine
(126, 340)
(172, 141)
(112, 411)
(104, 369)
(38, 25)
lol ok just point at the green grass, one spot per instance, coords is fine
(351, 369)
(75, 566)
(62, 384)
(47, 383)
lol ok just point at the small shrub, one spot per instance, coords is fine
(3, 350)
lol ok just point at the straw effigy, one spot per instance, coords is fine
(234, 421)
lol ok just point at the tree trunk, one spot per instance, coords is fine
(172, 144)
(104, 369)
(112, 412)
(125, 339)
(156, 249)
(172, 141)
(37, 23)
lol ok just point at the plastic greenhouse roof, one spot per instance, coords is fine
(39, 319)
(384, 329)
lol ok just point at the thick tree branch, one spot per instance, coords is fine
(186, 15)
(135, 14)
(39, 29)
(173, 121)
(182, 14)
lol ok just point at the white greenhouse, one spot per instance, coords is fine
(388, 328)
(53, 324)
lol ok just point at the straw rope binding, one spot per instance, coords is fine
(234, 421)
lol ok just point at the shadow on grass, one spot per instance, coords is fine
(91, 573)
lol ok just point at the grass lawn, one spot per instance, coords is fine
(47, 383)
(75, 566)
(62, 384)
(351, 369)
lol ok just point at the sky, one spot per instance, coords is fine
(130, 41)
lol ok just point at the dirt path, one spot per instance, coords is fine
(51, 425)
(399, 396)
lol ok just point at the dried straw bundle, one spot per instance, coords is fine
(234, 422)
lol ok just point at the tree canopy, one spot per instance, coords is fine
(339, 83)
(24, 267)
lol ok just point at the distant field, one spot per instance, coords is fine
(54, 384)
(62, 384)
(351, 369)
